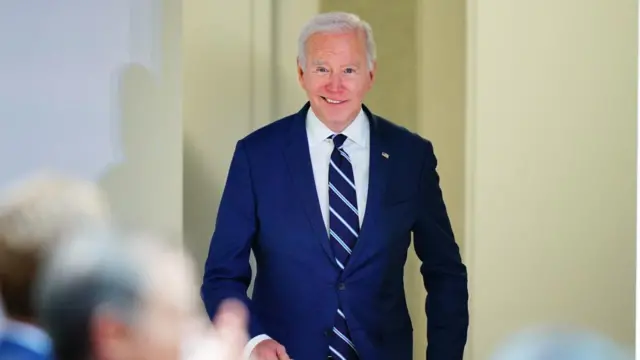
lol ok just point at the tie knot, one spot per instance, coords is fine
(338, 140)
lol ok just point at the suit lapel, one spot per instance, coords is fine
(378, 173)
(298, 160)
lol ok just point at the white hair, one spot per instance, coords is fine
(105, 273)
(560, 343)
(36, 214)
(336, 22)
(47, 207)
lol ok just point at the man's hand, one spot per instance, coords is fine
(230, 323)
(269, 350)
(225, 340)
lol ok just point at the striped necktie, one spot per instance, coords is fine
(344, 227)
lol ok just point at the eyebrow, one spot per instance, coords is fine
(320, 62)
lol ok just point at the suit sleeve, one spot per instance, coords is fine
(444, 274)
(227, 272)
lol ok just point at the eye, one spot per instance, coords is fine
(321, 69)
(349, 71)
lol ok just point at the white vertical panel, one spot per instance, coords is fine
(217, 106)
(262, 62)
(290, 16)
(228, 92)
(637, 350)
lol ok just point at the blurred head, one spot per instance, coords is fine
(35, 215)
(336, 66)
(555, 343)
(116, 297)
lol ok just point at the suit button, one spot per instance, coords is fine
(341, 286)
(327, 333)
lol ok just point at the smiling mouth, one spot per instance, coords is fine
(332, 101)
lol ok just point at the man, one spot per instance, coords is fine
(328, 199)
(115, 297)
(35, 215)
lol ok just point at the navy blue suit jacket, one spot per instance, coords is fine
(270, 205)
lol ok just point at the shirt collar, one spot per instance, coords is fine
(357, 131)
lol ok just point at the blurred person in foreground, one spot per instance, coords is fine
(35, 215)
(131, 297)
(329, 200)
(560, 343)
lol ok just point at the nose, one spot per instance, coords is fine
(334, 84)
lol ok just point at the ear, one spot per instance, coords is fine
(372, 72)
(109, 337)
(300, 71)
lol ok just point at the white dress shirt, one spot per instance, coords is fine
(320, 148)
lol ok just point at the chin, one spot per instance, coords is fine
(336, 112)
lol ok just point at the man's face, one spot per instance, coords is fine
(336, 76)
(170, 311)
(167, 314)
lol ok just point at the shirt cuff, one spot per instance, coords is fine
(248, 349)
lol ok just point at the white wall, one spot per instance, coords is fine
(550, 169)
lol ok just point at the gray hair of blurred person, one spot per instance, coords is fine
(336, 22)
(560, 343)
(35, 215)
(108, 273)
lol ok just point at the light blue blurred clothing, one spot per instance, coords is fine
(561, 344)
(22, 341)
(3, 318)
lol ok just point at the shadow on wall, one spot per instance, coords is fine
(201, 205)
(133, 186)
